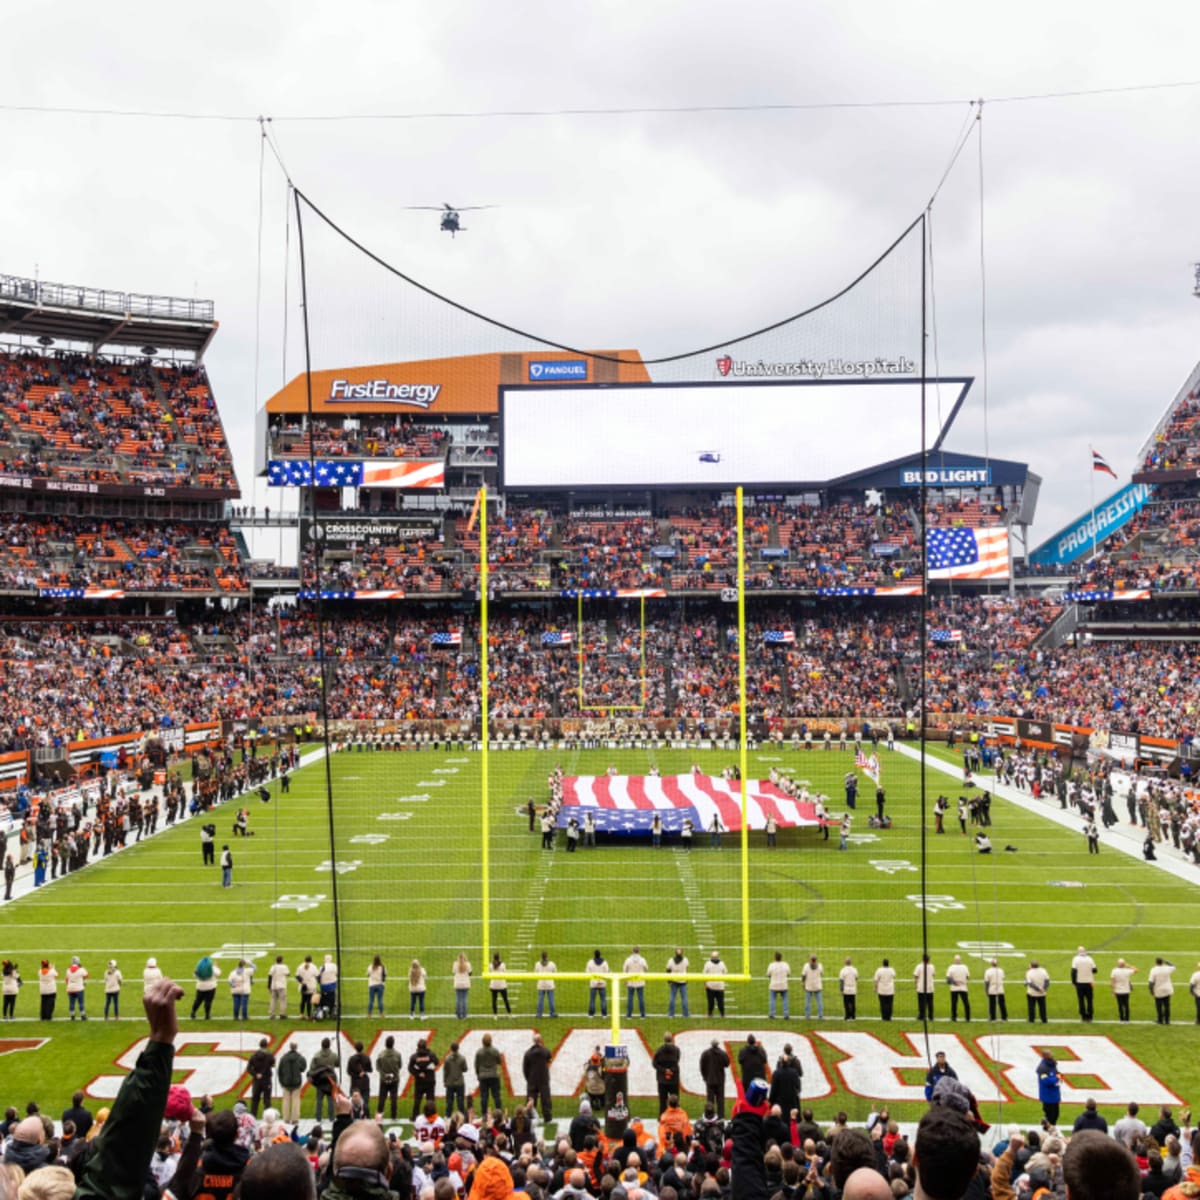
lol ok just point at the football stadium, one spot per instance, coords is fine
(511, 740)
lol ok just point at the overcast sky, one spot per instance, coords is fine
(660, 232)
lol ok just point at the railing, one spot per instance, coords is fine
(105, 300)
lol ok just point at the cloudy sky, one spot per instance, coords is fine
(663, 231)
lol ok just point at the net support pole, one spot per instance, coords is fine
(484, 743)
(615, 984)
(744, 756)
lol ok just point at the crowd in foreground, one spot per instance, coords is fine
(156, 1141)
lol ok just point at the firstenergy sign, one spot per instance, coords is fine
(419, 395)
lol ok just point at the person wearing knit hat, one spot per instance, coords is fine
(112, 990)
(48, 988)
(151, 975)
(77, 977)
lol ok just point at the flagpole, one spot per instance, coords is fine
(1092, 495)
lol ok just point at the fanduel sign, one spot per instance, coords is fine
(420, 395)
(947, 477)
(573, 368)
(1076, 540)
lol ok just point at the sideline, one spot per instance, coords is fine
(1124, 838)
(23, 883)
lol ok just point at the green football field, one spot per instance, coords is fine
(408, 877)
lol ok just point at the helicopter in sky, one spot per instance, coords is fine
(709, 456)
(451, 222)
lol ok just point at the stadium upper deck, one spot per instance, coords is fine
(114, 471)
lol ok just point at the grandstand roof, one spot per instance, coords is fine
(467, 384)
(102, 317)
(945, 469)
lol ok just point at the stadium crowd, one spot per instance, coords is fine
(75, 416)
(157, 1139)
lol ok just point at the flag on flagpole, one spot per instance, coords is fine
(1100, 463)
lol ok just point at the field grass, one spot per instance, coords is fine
(408, 834)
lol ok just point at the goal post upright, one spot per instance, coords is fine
(744, 757)
(485, 734)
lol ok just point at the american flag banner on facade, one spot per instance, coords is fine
(85, 593)
(628, 803)
(945, 635)
(444, 638)
(553, 637)
(965, 553)
(1094, 597)
(779, 635)
(404, 473)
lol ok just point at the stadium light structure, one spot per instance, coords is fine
(615, 978)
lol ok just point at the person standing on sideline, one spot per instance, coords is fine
(1093, 837)
(226, 867)
(422, 1066)
(498, 985)
(151, 975)
(48, 988)
(454, 1076)
(635, 966)
(993, 985)
(599, 969)
(207, 835)
(261, 1069)
(752, 1061)
(461, 978)
(1037, 984)
(206, 975)
(358, 1068)
(957, 977)
(241, 980)
(416, 988)
(535, 1066)
(1083, 976)
(848, 983)
(772, 830)
(277, 981)
(487, 1071)
(376, 978)
(112, 990)
(1162, 989)
(923, 976)
(389, 1065)
(11, 985)
(778, 973)
(786, 1082)
(10, 876)
(880, 801)
(322, 1074)
(546, 971)
(307, 976)
(885, 989)
(812, 974)
(327, 981)
(77, 977)
(1049, 1087)
(677, 964)
(1121, 982)
(714, 1063)
(547, 831)
(844, 832)
(666, 1070)
(1194, 988)
(714, 832)
(291, 1080)
(714, 989)
(940, 1070)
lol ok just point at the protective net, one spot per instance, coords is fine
(606, 815)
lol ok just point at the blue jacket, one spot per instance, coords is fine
(1049, 1088)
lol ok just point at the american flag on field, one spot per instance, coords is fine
(964, 553)
(553, 637)
(779, 635)
(629, 803)
(443, 638)
(945, 635)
